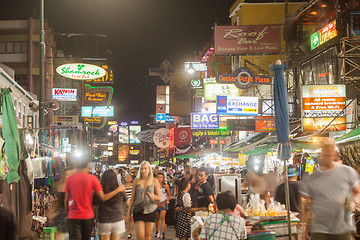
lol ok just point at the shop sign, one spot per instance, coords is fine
(169, 119)
(112, 122)
(93, 120)
(134, 150)
(209, 80)
(146, 135)
(247, 39)
(196, 83)
(182, 136)
(323, 100)
(65, 119)
(264, 124)
(123, 135)
(317, 124)
(214, 90)
(241, 124)
(97, 111)
(160, 108)
(134, 130)
(243, 78)
(204, 121)
(160, 117)
(113, 128)
(323, 35)
(97, 95)
(64, 94)
(162, 138)
(198, 66)
(123, 152)
(246, 106)
(213, 142)
(80, 71)
(200, 93)
(108, 78)
(210, 133)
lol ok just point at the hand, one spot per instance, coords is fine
(196, 232)
(121, 188)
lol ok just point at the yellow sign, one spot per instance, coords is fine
(112, 122)
(242, 159)
(95, 96)
(109, 76)
(92, 120)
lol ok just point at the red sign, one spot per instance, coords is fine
(222, 142)
(213, 141)
(324, 103)
(247, 39)
(182, 136)
(264, 124)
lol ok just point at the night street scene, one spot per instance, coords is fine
(180, 119)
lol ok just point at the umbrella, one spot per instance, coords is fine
(11, 135)
(282, 126)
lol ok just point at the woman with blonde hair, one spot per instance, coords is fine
(145, 193)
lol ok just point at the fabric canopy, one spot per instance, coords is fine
(10, 133)
(349, 137)
(260, 150)
(187, 156)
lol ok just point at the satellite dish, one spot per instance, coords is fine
(53, 105)
(163, 71)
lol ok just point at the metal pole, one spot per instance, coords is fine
(91, 133)
(42, 75)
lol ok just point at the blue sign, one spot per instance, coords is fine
(169, 119)
(160, 117)
(244, 106)
(204, 121)
(97, 111)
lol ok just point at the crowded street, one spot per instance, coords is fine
(180, 119)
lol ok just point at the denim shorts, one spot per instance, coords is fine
(166, 207)
(117, 228)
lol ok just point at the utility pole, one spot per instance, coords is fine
(42, 76)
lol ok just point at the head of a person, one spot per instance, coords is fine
(203, 174)
(82, 162)
(194, 171)
(109, 182)
(145, 173)
(128, 178)
(187, 169)
(225, 200)
(156, 170)
(184, 184)
(292, 171)
(161, 178)
(328, 152)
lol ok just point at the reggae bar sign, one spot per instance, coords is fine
(323, 35)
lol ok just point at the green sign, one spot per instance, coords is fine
(80, 71)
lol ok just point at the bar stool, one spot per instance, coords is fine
(51, 231)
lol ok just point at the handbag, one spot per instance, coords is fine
(139, 208)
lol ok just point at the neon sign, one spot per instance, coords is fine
(323, 35)
(80, 71)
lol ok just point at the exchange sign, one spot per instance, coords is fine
(246, 106)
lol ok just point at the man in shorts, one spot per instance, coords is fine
(327, 194)
(79, 189)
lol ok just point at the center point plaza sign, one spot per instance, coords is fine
(247, 39)
(245, 106)
(80, 71)
(243, 78)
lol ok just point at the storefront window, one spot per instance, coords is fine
(319, 72)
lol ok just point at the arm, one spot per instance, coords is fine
(104, 197)
(356, 194)
(156, 196)
(66, 202)
(131, 203)
(167, 188)
(211, 199)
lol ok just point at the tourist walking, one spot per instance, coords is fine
(128, 190)
(183, 205)
(165, 197)
(110, 213)
(145, 192)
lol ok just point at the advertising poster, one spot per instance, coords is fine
(123, 152)
(123, 135)
(246, 106)
(317, 124)
(204, 121)
(214, 90)
(247, 39)
(134, 130)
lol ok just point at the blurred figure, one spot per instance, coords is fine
(183, 215)
(327, 196)
(187, 171)
(162, 205)
(205, 193)
(294, 190)
(128, 190)
(146, 190)
(110, 213)
(222, 224)
(8, 226)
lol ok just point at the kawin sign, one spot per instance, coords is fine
(80, 71)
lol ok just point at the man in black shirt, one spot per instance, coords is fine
(7, 221)
(294, 187)
(205, 193)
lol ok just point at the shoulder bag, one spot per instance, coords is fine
(139, 208)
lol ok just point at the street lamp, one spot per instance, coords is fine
(191, 69)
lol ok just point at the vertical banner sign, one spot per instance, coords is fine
(320, 104)
(204, 121)
(182, 136)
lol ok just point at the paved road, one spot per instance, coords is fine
(169, 234)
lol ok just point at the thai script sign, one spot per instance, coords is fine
(243, 78)
(323, 35)
(247, 39)
(204, 121)
(80, 71)
(64, 94)
(247, 106)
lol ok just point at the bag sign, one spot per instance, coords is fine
(204, 121)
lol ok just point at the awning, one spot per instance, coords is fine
(260, 150)
(349, 137)
(190, 155)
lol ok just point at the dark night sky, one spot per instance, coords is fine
(141, 34)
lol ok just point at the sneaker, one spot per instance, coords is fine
(163, 236)
(157, 235)
(130, 236)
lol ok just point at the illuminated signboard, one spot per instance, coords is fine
(317, 124)
(264, 124)
(213, 90)
(123, 135)
(133, 131)
(323, 35)
(98, 111)
(97, 95)
(80, 71)
(64, 94)
(198, 66)
(123, 152)
(246, 106)
(204, 121)
(243, 78)
(108, 78)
